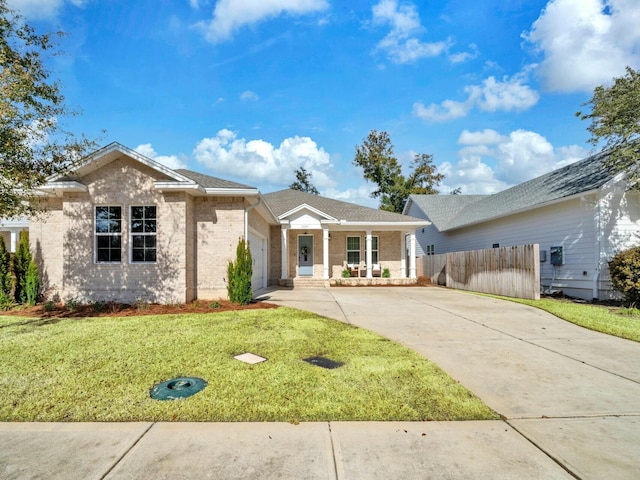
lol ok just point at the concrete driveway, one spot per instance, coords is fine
(573, 393)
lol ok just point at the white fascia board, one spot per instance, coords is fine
(191, 187)
(58, 188)
(232, 192)
(14, 223)
(306, 206)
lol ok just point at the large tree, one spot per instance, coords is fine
(303, 182)
(380, 166)
(615, 123)
(33, 143)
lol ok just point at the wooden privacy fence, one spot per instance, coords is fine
(508, 271)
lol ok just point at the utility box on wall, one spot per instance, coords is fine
(556, 256)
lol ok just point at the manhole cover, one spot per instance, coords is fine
(323, 362)
(176, 388)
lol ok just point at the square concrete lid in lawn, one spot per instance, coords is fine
(250, 358)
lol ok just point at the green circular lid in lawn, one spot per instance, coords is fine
(181, 387)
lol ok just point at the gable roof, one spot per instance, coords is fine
(286, 201)
(578, 178)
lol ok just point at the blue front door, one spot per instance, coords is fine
(305, 255)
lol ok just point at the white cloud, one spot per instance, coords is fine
(490, 162)
(260, 161)
(248, 95)
(171, 161)
(41, 9)
(492, 95)
(462, 57)
(586, 42)
(402, 44)
(231, 15)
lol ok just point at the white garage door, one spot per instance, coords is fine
(256, 244)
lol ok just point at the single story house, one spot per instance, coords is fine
(124, 227)
(580, 215)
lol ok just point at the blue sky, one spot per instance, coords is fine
(249, 90)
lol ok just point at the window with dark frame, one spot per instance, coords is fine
(108, 234)
(144, 226)
(353, 250)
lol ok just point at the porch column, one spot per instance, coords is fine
(403, 253)
(412, 252)
(13, 240)
(325, 253)
(368, 253)
(285, 252)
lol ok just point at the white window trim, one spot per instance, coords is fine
(359, 248)
(96, 235)
(145, 234)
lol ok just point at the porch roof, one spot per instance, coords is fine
(285, 202)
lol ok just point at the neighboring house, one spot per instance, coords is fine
(124, 227)
(10, 231)
(580, 215)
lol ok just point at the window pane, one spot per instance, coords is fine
(115, 255)
(150, 226)
(353, 243)
(103, 255)
(150, 241)
(374, 243)
(150, 255)
(149, 212)
(137, 255)
(138, 241)
(353, 257)
(374, 257)
(137, 213)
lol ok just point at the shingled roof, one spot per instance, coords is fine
(284, 201)
(208, 181)
(450, 212)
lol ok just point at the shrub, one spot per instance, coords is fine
(346, 273)
(6, 302)
(99, 306)
(49, 306)
(32, 283)
(5, 269)
(21, 261)
(215, 305)
(72, 304)
(625, 274)
(141, 304)
(239, 275)
(386, 273)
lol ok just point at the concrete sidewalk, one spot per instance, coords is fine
(570, 399)
(343, 450)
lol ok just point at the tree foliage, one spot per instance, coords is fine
(239, 275)
(303, 182)
(33, 144)
(615, 120)
(380, 166)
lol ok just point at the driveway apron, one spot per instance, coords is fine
(572, 392)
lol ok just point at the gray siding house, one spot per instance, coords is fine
(580, 215)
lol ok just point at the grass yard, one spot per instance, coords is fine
(102, 368)
(620, 322)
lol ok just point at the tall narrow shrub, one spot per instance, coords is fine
(5, 271)
(21, 261)
(32, 283)
(239, 275)
(624, 269)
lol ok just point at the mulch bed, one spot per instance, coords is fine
(111, 309)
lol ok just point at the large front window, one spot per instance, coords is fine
(353, 250)
(108, 234)
(143, 234)
(374, 250)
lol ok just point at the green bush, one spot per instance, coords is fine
(239, 275)
(21, 261)
(32, 283)
(624, 269)
(386, 273)
(5, 270)
(346, 273)
(6, 302)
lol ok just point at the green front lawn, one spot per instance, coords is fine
(101, 369)
(621, 322)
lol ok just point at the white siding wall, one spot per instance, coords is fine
(569, 224)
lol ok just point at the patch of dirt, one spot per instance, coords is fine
(112, 309)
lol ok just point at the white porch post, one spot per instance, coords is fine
(368, 253)
(13, 240)
(403, 258)
(412, 252)
(325, 253)
(285, 252)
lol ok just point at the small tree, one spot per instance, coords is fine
(5, 271)
(624, 269)
(21, 261)
(32, 283)
(239, 275)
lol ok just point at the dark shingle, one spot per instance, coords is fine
(207, 181)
